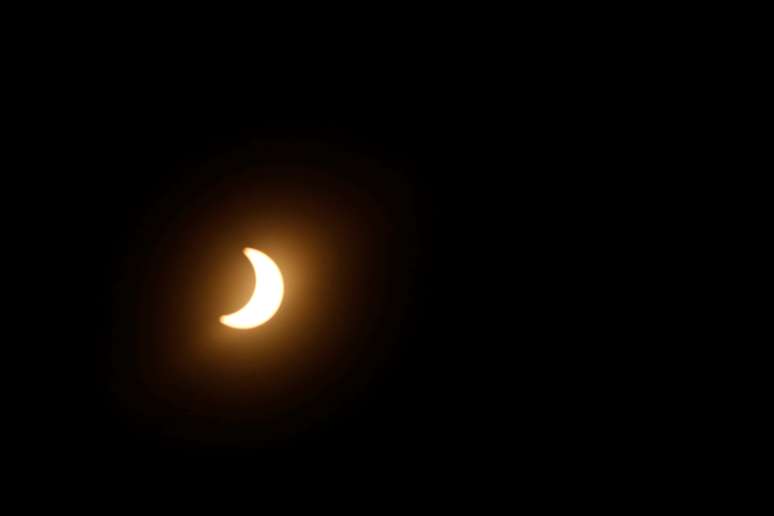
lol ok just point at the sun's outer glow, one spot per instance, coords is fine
(266, 298)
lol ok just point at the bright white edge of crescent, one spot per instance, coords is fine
(266, 298)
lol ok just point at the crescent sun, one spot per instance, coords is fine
(266, 298)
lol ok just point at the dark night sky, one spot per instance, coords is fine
(159, 196)
(424, 224)
(487, 245)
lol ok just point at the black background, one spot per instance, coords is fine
(405, 198)
(501, 288)
(458, 250)
(460, 221)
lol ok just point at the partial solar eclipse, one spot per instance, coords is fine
(266, 298)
